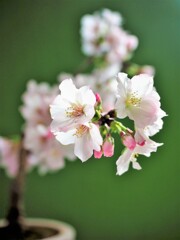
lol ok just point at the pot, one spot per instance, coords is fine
(54, 230)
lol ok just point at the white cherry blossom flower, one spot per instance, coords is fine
(102, 81)
(85, 138)
(138, 99)
(72, 107)
(144, 146)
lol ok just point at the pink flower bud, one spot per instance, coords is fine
(97, 154)
(128, 141)
(98, 98)
(108, 148)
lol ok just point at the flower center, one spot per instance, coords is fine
(81, 130)
(133, 100)
(75, 111)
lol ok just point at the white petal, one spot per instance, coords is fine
(123, 162)
(142, 84)
(63, 126)
(121, 108)
(85, 96)
(144, 115)
(67, 137)
(149, 147)
(58, 108)
(89, 112)
(136, 165)
(122, 84)
(83, 147)
(151, 130)
(68, 90)
(96, 137)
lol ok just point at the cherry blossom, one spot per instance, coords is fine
(81, 120)
(144, 146)
(45, 151)
(101, 81)
(72, 107)
(36, 100)
(85, 138)
(103, 36)
(138, 99)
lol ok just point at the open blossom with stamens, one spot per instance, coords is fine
(144, 146)
(85, 138)
(138, 99)
(102, 81)
(72, 107)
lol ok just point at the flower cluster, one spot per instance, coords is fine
(42, 149)
(79, 119)
(100, 80)
(87, 112)
(104, 37)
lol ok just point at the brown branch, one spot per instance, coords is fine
(16, 207)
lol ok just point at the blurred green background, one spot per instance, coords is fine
(39, 39)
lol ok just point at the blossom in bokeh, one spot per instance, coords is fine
(36, 100)
(147, 69)
(9, 156)
(103, 36)
(44, 150)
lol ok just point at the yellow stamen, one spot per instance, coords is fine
(133, 99)
(81, 130)
(75, 111)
